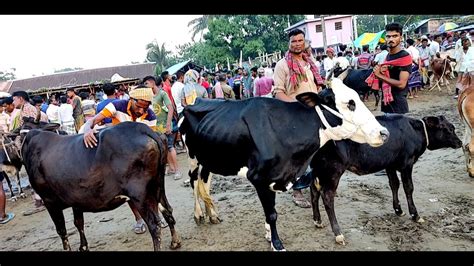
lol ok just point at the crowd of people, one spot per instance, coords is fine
(401, 67)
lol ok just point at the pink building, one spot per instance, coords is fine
(339, 30)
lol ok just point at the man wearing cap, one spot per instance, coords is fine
(135, 109)
(77, 112)
(294, 74)
(328, 62)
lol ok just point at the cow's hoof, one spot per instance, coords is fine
(340, 240)
(13, 199)
(83, 249)
(23, 195)
(175, 245)
(199, 220)
(400, 213)
(420, 220)
(274, 249)
(215, 220)
(319, 224)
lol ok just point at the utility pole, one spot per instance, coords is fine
(355, 27)
(385, 16)
(323, 27)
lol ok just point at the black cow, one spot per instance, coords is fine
(407, 142)
(128, 164)
(274, 139)
(355, 79)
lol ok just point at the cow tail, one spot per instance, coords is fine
(161, 168)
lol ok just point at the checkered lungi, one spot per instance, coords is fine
(69, 128)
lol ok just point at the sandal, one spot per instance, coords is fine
(177, 176)
(301, 202)
(34, 210)
(169, 173)
(7, 218)
(139, 227)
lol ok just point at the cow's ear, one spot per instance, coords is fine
(309, 99)
(431, 121)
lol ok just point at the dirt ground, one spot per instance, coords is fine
(443, 196)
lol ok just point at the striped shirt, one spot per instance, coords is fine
(119, 111)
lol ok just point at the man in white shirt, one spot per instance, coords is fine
(414, 80)
(53, 110)
(424, 53)
(380, 57)
(435, 46)
(415, 54)
(176, 89)
(328, 62)
(268, 70)
(4, 121)
(65, 116)
(464, 62)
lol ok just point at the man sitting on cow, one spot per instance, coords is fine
(290, 80)
(135, 109)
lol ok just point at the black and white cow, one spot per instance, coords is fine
(409, 138)
(274, 139)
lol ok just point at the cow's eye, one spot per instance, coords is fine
(351, 105)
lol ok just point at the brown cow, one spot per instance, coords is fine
(466, 111)
(442, 70)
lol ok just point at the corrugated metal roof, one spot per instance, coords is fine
(81, 77)
(175, 68)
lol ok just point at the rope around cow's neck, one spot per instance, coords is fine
(329, 129)
(426, 133)
(5, 149)
(23, 142)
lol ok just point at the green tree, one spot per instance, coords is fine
(158, 54)
(229, 34)
(200, 24)
(8, 74)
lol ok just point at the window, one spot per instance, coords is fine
(338, 25)
(319, 28)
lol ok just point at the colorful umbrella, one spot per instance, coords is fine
(372, 39)
(447, 27)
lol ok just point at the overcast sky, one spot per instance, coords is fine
(39, 44)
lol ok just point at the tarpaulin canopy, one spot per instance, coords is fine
(372, 39)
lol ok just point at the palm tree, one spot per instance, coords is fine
(157, 54)
(200, 24)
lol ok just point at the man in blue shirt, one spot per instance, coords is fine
(109, 90)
